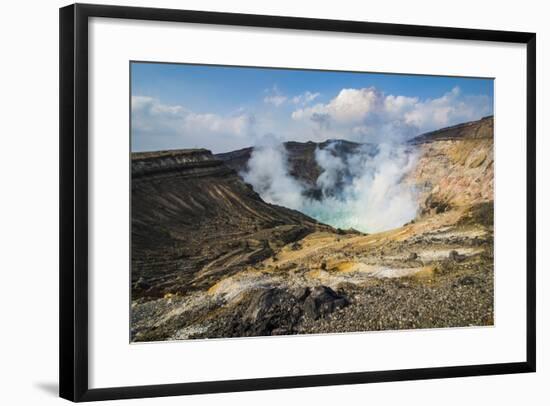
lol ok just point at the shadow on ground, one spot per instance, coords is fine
(51, 388)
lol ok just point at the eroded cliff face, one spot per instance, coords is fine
(455, 167)
(193, 217)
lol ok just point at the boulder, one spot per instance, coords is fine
(455, 256)
(300, 293)
(412, 256)
(322, 301)
(271, 311)
(468, 280)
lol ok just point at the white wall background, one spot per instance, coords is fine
(29, 203)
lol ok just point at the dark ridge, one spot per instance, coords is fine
(189, 212)
(194, 162)
(151, 155)
(482, 128)
(301, 158)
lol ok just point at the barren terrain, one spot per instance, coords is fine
(211, 259)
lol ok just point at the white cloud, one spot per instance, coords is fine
(348, 106)
(451, 108)
(274, 96)
(276, 100)
(152, 118)
(305, 98)
(209, 122)
(399, 104)
(362, 115)
(368, 114)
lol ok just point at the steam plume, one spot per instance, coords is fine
(363, 189)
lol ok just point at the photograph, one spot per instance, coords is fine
(269, 204)
(272, 202)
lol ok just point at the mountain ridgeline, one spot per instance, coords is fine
(455, 164)
(210, 258)
(301, 158)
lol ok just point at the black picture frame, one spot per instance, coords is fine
(73, 254)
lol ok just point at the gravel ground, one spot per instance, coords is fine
(327, 292)
(459, 299)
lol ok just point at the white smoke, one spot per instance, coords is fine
(332, 166)
(363, 189)
(268, 175)
(368, 194)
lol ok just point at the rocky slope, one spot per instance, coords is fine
(211, 259)
(193, 217)
(455, 166)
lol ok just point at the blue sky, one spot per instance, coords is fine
(225, 108)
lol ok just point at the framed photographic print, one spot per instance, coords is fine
(257, 202)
